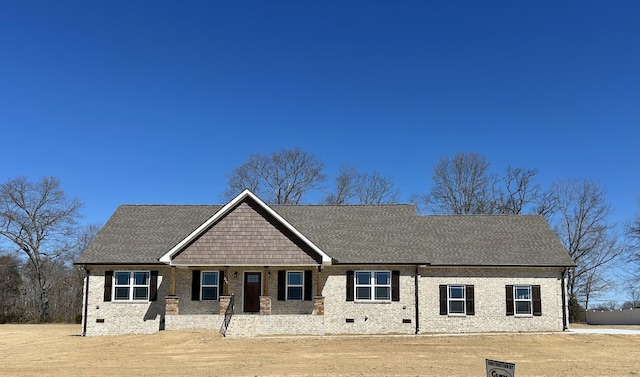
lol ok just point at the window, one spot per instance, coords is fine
(295, 285)
(131, 286)
(523, 300)
(373, 285)
(457, 300)
(209, 286)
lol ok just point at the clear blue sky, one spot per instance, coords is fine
(156, 101)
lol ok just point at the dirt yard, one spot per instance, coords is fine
(56, 350)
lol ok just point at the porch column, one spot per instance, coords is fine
(171, 305)
(318, 305)
(319, 282)
(225, 301)
(172, 281)
(171, 301)
(265, 305)
(265, 274)
(225, 284)
(318, 299)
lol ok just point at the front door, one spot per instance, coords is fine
(252, 291)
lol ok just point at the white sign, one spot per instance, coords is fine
(500, 369)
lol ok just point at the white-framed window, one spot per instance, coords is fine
(522, 300)
(131, 286)
(373, 285)
(456, 299)
(209, 286)
(295, 285)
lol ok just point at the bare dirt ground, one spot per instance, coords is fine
(56, 350)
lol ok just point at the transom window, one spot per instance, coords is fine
(295, 285)
(456, 299)
(209, 286)
(522, 299)
(131, 286)
(373, 285)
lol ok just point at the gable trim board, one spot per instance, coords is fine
(415, 256)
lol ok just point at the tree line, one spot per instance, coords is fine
(42, 234)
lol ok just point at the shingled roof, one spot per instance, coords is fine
(350, 234)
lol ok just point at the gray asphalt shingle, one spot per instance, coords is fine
(350, 234)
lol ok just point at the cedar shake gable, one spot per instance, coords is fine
(247, 235)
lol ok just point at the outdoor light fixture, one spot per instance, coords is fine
(235, 274)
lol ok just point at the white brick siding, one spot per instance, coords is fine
(296, 317)
(489, 299)
(123, 317)
(370, 317)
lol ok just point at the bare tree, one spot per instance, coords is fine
(632, 231)
(10, 284)
(462, 185)
(39, 219)
(357, 187)
(519, 190)
(581, 223)
(280, 178)
(345, 186)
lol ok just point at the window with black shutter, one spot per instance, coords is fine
(457, 299)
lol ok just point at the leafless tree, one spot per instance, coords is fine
(345, 186)
(40, 221)
(634, 299)
(462, 185)
(357, 187)
(581, 222)
(10, 284)
(632, 231)
(519, 190)
(280, 178)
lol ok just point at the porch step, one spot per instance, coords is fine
(250, 325)
(243, 326)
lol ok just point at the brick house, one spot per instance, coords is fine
(257, 269)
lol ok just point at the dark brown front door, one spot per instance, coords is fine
(252, 290)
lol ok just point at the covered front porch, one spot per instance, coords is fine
(255, 300)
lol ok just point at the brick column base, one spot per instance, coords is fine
(225, 301)
(172, 305)
(265, 305)
(318, 305)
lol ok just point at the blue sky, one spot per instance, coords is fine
(156, 101)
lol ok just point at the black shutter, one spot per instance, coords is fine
(195, 285)
(537, 301)
(471, 310)
(509, 301)
(350, 285)
(108, 281)
(395, 285)
(282, 285)
(443, 300)
(307, 285)
(220, 283)
(153, 286)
